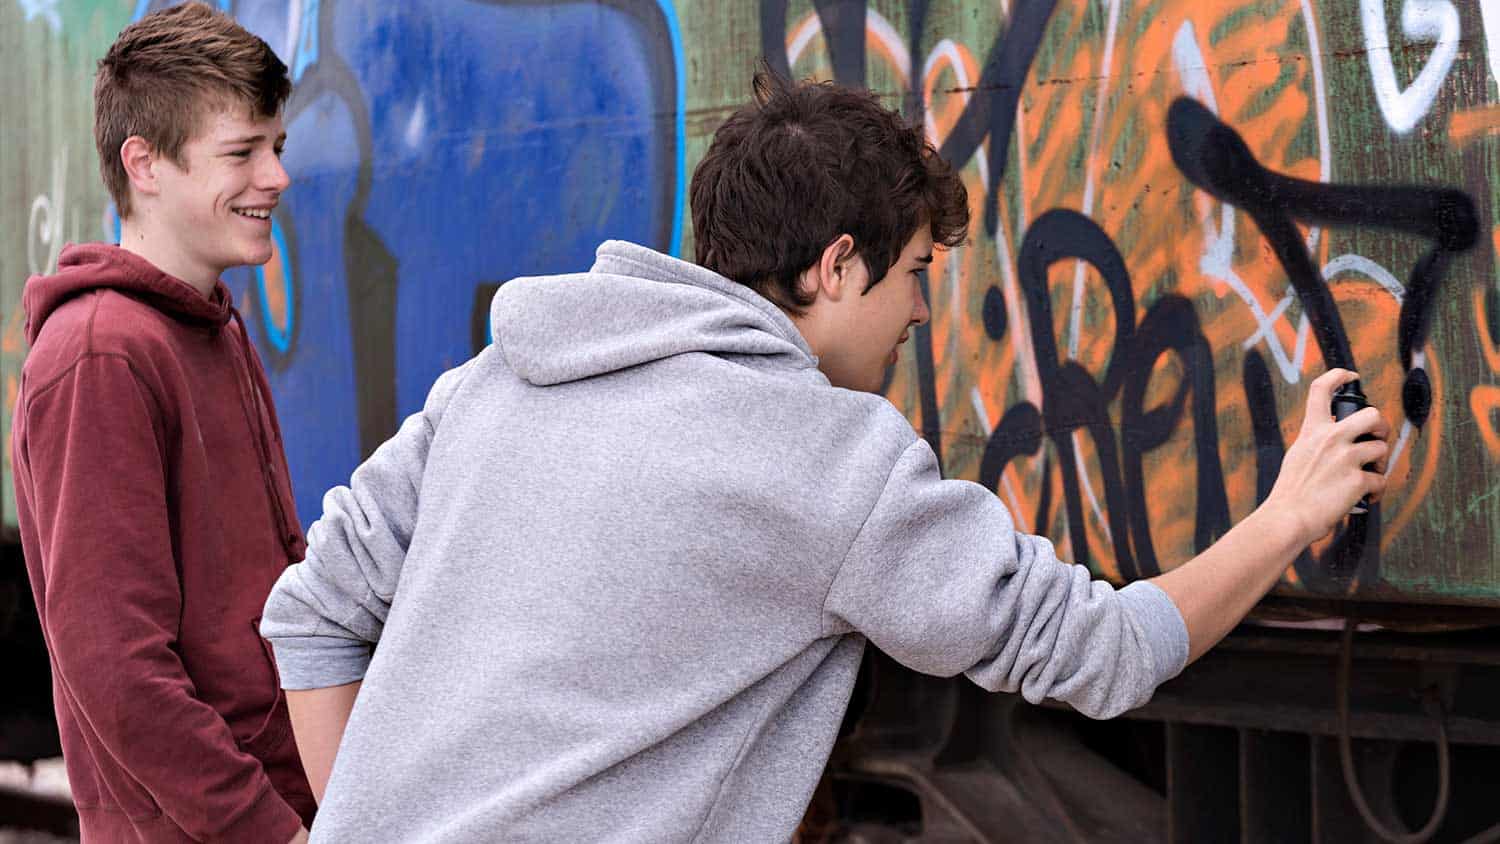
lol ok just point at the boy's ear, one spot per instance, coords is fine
(832, 272)
(140, 165)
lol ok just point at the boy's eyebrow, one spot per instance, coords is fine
(253, 139)
(925, 259)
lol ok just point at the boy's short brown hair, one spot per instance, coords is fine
(166, 72)
(805, 163)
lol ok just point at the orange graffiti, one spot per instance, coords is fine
(1484, 399)
(1089, 137)
(1465, 127)
(274, 275)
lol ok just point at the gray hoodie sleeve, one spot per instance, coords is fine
(325, 613)
(939, 578)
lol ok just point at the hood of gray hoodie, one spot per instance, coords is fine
(633, 307)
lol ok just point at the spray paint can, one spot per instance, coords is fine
(1348, 400)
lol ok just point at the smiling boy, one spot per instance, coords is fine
(152, 492)
(623, 565)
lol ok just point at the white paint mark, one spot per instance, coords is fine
(1075, 323)
(1264, 326)
(44, 9)
(416, 126)
(1422, 21)
(288, 51)
(980, 411)
(1320, 103)
(1291, 367)
(810, 27)
(1376, 273)
(876, 26)
(1020, 135)
(44, 227)
(1489, 10)
(1014, 503)
(947, 51)
(1192, 70)
(1390, 464)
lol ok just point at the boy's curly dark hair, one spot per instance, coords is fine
(805, 163)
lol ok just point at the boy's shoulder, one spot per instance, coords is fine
(103, 322)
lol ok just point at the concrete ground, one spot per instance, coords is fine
(47, 778)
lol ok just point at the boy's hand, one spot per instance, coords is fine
(1322, 474)
(300, 837)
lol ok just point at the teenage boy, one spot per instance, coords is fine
(623, 564)
(152, 491)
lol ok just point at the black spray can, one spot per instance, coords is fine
(1348, 400)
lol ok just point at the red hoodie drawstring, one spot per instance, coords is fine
(290, 534)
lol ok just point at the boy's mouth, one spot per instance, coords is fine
(253, 213)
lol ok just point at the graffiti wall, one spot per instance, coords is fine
(1183, 212)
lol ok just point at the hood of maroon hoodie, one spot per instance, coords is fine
(90, 266)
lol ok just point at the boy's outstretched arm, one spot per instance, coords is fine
(325, 614)
(1320, 480)
(939, 578)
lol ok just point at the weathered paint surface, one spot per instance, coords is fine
(1183, 212)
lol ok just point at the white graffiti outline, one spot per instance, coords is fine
(875, 25)
(44, 226)
(1421, 21)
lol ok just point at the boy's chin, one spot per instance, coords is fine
(256, 257)
(860, 383)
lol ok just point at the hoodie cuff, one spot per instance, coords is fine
(269, 820)
(318, 662)
(1161, 626)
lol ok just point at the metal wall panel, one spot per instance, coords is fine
(1182, 212)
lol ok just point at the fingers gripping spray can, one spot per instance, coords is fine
(1348, 400)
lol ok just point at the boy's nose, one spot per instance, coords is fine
(276, 176)
(920, 313)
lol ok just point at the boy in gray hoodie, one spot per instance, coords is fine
(623, 564)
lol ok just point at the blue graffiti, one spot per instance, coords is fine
(438, 149)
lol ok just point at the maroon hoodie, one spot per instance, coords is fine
(155, 515)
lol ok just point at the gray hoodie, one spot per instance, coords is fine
(623, 564)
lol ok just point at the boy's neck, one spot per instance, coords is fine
(811, 329)
(137, 240)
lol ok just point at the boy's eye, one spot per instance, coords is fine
(279, 151)
(241, 153)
